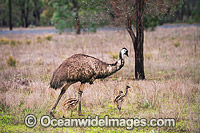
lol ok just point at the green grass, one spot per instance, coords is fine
(9, 123)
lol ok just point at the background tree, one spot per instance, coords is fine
(37, 10)
(65, 14)
(78, 14)
(91, 13)
(25, 7)
(47, 13)
(10, 14)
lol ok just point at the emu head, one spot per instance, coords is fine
(120, 92)
(122, 52)
(127, 87)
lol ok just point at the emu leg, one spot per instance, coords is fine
(119, 108)
(71, 113)
(59, 97)
(79, 109)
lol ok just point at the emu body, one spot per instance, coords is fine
(85, 69)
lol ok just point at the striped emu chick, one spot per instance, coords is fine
(71, 103)
(120, 98)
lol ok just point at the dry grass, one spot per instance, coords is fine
(171, 88)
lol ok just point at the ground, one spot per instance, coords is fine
(171, 88)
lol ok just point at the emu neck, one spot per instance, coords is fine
(104, 70)
(126, 92)
(116, 66)
(79, 97)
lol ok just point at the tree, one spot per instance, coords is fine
(66, 14)
(47, 13)
(189, 12)
(76, 10)
(78, 14)
(10, 14)
(26, 7)
(129, 12)
(37, 10)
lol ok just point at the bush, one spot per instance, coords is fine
(28, 42)
(148, 55)
(19, 42)
(39, 39)
(11, 61)
(176, 44)
(31, 26)
(48, 37)
(114, 55)
(13, 42)
(4, 41)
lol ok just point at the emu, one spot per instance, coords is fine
(120, 98)
(71, 103)
(85, 69)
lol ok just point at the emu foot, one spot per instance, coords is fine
(52, 115)
(80, 114)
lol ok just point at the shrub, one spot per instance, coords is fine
(48, 37)
(28, 42)
(114, 55)
(11, 61)
(176, 44)
(13, 42)
(4, 41)
(39, 39)
(148, 55)
(31, 26)
(19, 42)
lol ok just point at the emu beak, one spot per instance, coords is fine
(126, 53)
(80, 92)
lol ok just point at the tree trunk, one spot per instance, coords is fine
(26, 17)
(36, 13)
(138, 45)
(10, 15)
(138, 40)
(35, 22)
(78, 29)
(26, 21)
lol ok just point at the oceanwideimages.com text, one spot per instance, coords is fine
(128, 123)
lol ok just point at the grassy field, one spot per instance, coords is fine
(171, 88)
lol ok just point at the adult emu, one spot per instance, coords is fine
(85, 69)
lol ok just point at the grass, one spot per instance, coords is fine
(171, 88)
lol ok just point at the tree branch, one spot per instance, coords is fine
(130, 30)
